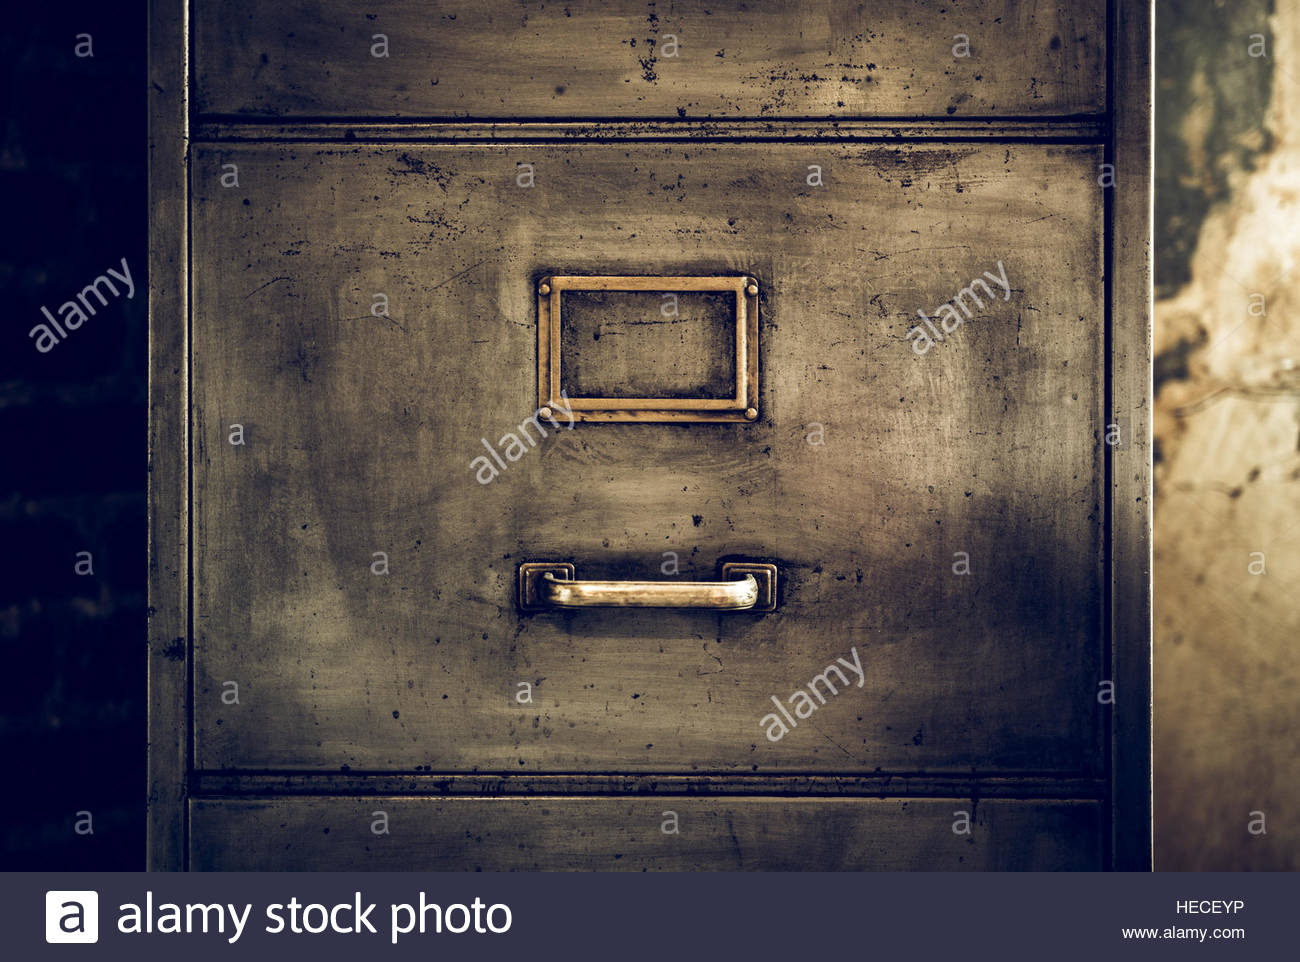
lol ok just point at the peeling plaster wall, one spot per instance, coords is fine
(1227, 426)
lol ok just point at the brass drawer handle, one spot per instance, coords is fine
(743, 587)
(723, 595)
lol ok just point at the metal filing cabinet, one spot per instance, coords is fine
(628, 435)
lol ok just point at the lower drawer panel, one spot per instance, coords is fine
(635, 834)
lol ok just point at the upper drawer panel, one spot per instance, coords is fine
(638, 59)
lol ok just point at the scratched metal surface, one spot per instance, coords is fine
(648, 344)
(636, 834)
(630, 59)
(360, 433)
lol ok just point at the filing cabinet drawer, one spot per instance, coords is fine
(640, 834)
(629, 59)
(878, 473)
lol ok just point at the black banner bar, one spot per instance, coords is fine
(762, 916)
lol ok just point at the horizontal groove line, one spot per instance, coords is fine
(579, 141)
(1017, 775)
(370, 132)
(212, 785)
(632, 796)
(912, 119)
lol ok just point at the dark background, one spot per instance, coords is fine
(73, 421)
(72, 439)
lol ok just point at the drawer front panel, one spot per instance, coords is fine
(636, 834)
(876, 476)
(627, 59)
